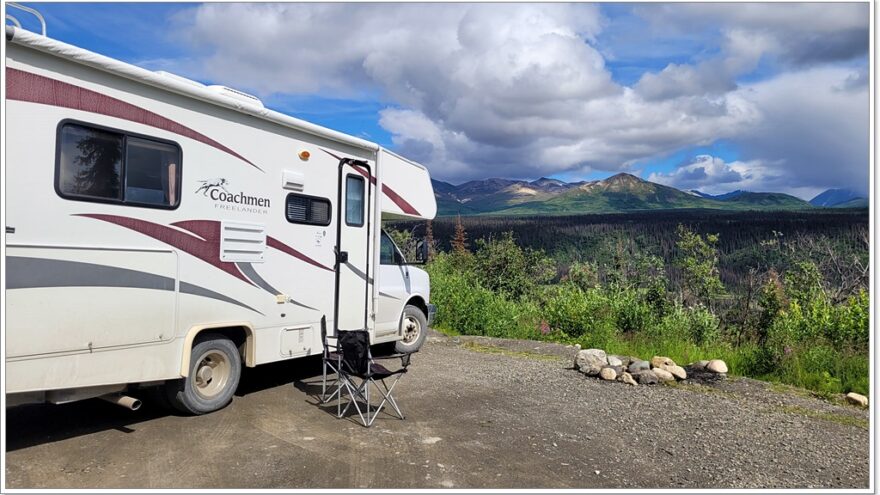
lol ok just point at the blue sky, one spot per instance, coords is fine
(709, 96)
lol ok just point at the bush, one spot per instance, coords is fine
(502, 266)
(468, 308)
(583, 315)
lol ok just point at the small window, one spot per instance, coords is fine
(102, 165)
(354, 201)
(308, 210)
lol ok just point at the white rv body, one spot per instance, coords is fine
(104, 294)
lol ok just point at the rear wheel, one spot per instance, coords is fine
(414, 327)
(214, 372)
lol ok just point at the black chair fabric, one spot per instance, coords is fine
(355, 348)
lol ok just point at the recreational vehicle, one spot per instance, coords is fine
(161, 232)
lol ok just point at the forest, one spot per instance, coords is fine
(780, 296)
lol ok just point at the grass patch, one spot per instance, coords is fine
(840, 419)
(489, 349)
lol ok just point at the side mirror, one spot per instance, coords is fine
(421, 252)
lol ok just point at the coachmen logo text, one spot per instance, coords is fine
(225, 200)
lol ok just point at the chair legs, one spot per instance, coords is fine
(324, 397)
(362, 391)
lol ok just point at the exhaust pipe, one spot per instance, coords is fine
(123, 401)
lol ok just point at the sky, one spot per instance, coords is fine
(713, 96)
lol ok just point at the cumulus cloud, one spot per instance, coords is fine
(712, 175)
(818, 131)
(812, 135)
(798, 34)
(519, 90)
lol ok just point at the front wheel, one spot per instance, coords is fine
(414, 327)
(214, 372)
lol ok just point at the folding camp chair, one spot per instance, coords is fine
(357, 362)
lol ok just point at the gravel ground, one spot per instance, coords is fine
(481, 413)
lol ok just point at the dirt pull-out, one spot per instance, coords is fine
(481, 413)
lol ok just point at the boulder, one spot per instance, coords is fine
(857, 399)
(663, 375)
(614, 361)
(645, 377)
(628, 379)
(659, 361)
(590, 361)
(699, 365)
(638, 365)
(677, 371)
(716, 366)
(608, 374)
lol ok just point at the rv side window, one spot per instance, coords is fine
(151, 170)
(91, 163)
(354, 201)
(308, 210)
(102, 165)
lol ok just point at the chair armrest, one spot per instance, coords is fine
(404, 357)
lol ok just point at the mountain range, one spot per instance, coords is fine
(621, 192)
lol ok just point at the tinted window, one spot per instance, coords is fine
(308, 210)
(151, 170)
(90, 163)
(354, 200)
(103, 165)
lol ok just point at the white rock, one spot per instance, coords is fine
(658, 361)
(716, 366)
(608, 374)
(857, 399)
(591, 361)
(663, 375)
(628, 379)
(677, 371)
(614, 361)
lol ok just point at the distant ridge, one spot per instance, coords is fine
(838, 198)
(620, 192)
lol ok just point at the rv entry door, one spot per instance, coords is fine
(353, 245)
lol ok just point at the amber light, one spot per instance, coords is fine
(304, 155)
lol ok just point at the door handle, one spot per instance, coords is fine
(342, 257)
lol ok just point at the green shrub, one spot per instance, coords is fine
(502, 266)
(584, 315)
(468, 308)
(632, 312)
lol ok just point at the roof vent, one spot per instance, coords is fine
(236, 95)
(177, 78)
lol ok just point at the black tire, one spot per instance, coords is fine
(201, 392)
(413, 338)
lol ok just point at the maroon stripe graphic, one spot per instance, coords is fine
(284, 248)
(391, 193)
(207, 249)
(34, 88)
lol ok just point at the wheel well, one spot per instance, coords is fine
(240, 334)
(420, 303)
